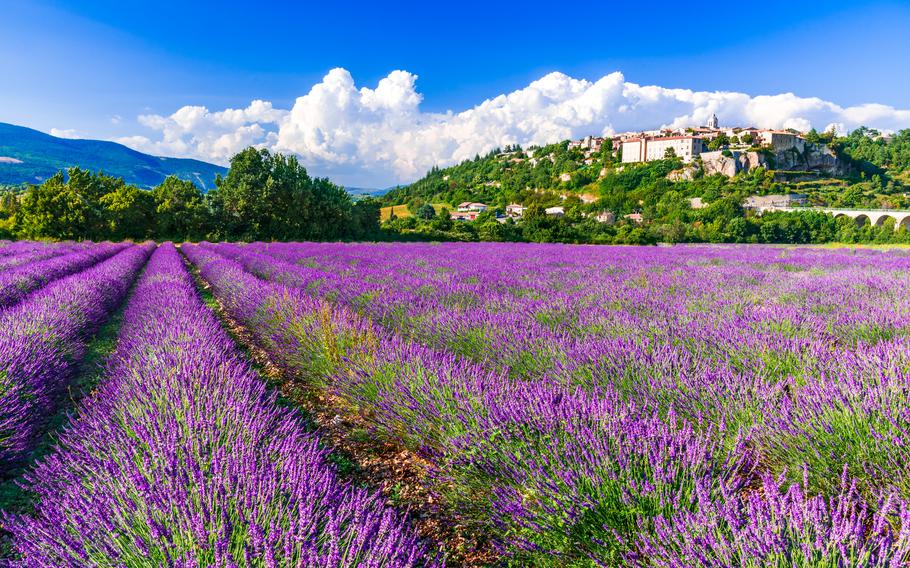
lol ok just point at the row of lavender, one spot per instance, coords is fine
(42, 338)
(725, 333)
(19, 255)
(650, 433)
(18, 281)
(183, 458)
(13, 248)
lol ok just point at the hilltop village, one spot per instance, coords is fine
(710, 148)
(672, 184)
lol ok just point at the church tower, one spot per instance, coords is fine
(713, 122)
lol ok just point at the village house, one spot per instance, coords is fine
(634, 217)
(748, 131)
(607, 217)
(588, 143)
(465, 215)
(781, 140)
(558, 211)
(468, 206)
(515, 210)
(697, 203)
(701, 132)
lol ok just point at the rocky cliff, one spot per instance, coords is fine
(814, 158)
(732, 164)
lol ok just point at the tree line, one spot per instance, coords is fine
(724, 221)
(264, 196)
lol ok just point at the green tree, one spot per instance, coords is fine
(720, 141)
(425, 212)
(180, 210)
(493, 230)
(365, 215)
(271, 197)
(129, 213)
(443, 221)
(65, 207)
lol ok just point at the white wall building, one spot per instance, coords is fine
(771, 202)
(646, 149)
(606, 217)
(588, 143)
(697, 203)
(515, 210)
(557, 211)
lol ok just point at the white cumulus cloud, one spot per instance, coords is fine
(197, 132)
(379, 136)
(64, 133)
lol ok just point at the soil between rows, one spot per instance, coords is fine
(360, 457)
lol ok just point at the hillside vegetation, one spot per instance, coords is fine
(557, 175)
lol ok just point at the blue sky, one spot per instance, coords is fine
(92, 68)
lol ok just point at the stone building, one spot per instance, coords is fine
(781, 140)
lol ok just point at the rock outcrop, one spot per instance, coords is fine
(683, 174)
(816, 158)
(732, 164)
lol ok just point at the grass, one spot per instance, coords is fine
(289, 395)
(403, 211)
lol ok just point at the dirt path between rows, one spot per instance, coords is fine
(363, 458)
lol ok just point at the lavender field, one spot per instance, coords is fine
(313, 404)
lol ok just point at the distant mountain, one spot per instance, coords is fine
(30, 156)
(361, 192)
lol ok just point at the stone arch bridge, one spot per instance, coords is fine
(876, 217)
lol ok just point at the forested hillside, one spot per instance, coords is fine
(560, 176)
(30, 156)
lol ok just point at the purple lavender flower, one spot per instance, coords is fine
(577, 401)
(184, 457)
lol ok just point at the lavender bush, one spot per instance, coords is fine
(35, 254)
(42, 340)
(16, 283)
(183, 458)
(594, 404)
